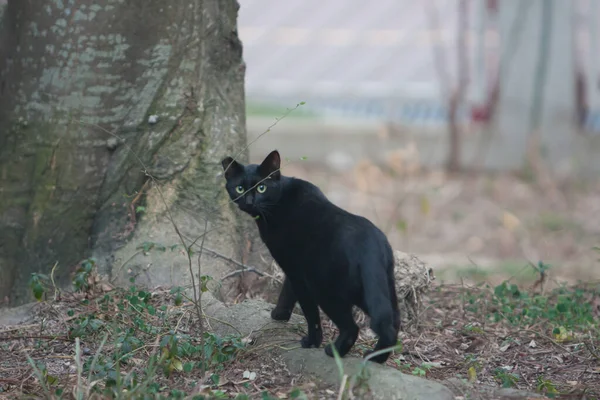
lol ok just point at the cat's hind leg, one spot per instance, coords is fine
(382, 306)
(386, 325)
(285, 302)
(341, 315)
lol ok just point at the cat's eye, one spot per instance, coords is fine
(239, 189)
(261, 188)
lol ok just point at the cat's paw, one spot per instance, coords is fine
(307, 342)
(379, 359)
(280, 314)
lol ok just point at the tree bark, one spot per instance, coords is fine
(113, 120)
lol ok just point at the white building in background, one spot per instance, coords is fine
(375, 60)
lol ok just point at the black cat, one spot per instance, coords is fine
(331, 258)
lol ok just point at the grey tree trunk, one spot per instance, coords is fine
(114, 116)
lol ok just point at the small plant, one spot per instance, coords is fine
(147, 247)
(85, 324)
(169, 354)
(473, 329)
(298, 394)
(507, 379)
(84, 275)
(546, 387)
(177, 293)
(421, 370)
(39, 285)
(563, 307)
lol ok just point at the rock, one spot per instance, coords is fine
(384, 382)
(252, 318)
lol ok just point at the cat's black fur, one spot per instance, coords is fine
(331, 258)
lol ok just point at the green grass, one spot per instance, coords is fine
(258, 109)
(505, 269)
(555, 222)
(562, 309)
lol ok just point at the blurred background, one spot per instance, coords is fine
(468, 130)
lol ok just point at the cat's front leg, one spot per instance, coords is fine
(285, 302)
(310, 309)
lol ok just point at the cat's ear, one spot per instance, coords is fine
(270, 166)
(231, 167)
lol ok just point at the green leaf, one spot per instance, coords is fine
(177, 365)
(556, 331)
(38, 291)
(95, 324)
(51, 379)
(204, 279)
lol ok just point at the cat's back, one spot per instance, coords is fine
(302, 195)
(312, 205)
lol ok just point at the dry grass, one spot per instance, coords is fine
(479, 333)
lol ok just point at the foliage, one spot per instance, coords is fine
(39, 285)
(507, 379)
(490, 329)
(81, 281)
(565, 307)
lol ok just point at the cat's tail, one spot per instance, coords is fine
(377, 273)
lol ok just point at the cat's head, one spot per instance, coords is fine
(254, 188)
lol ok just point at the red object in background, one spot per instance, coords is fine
(480, 114)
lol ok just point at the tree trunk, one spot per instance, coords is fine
(113, 120)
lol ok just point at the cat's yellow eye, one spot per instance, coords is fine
(239, 189)
(261, 188)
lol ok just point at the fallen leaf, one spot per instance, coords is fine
(249, 375)
(472, 374)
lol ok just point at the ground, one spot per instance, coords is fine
(500, 336)
(508, 306)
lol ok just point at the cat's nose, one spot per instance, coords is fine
(249, 199)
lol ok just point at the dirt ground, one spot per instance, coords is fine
(473, 227)
(477, 334)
